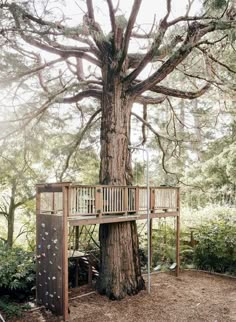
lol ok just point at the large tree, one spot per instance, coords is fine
(118, 79)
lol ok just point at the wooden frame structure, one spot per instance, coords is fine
(62, 205)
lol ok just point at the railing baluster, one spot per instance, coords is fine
(86, 200)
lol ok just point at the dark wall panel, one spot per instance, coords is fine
(49, 282)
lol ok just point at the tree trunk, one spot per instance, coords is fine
(120, 272)
(10, 228)
(11, 216)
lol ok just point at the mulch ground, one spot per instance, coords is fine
(192, 297)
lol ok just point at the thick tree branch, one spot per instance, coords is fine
(90, 9)
(149, 100)
(131, 22)
(178, 93)
(95, 29)
(60, 29)
(4, 213)
(150, 54)
(195, 32)
(143, 125)
(168, 8)
(161, 53)
(112, 17)
(63, 51)
(84, 94)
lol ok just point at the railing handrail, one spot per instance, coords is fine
(111, 199)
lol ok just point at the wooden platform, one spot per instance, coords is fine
(106, 219)
(63, 205)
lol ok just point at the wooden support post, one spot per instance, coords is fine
(150, 242)
(126, 201)
(152, 200)
(53, 202)
(178, 235)
(99, 201)
(177, 245)
(90, 272)
(137, 199)
(65, 191)
(38, 201)
(76, 237)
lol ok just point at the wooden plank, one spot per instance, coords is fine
(98, 201)
(152, 199)
(49, 189)
(54, 184)
(137, 199)
(126, 200)
(73, 221)
(178, 236)
(65, 254)
(150, 244)
(177, 245)
(38, 300)
(76, 237)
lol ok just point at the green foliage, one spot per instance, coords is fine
(164, 246)
(17, 271)
(216, 172)
(216, 248)
(11, 309)
(215, 5)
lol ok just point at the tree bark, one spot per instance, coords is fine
(10, 228)
(120, 272)
(11, 217)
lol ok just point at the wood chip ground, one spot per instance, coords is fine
(192, 297)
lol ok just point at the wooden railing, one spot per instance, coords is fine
(104, 200)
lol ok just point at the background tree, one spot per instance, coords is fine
(88, 61)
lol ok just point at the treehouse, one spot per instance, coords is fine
(61, 206)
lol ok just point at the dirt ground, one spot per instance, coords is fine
(192, 297)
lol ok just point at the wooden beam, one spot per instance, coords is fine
(98, 201)
(137, 199)
(49, 189)
(126, 201)
(52, 187)
(37, 239)
(150, 245)
(105, 219)
(152, 199)
(178, 236)
(65, 254)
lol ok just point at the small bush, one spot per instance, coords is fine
(11, 309)
(216, 248)
(17, 271)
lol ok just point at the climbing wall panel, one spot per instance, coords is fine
(49, 281)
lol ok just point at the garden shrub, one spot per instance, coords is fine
(17, 272)
(216, 248)
(11, 309)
